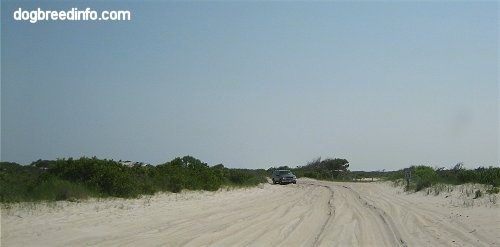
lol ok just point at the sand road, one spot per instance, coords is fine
(311, 213)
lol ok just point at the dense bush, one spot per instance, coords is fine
(423, 177)
(69, 179)
(52, 188)
(104, 176)
(489, 175)
(16, 181)
(426, 176)
(188, 173)
(246, 177)
(467, 176)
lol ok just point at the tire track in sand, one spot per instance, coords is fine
(390, 225)
(359, 214)
(331, 213)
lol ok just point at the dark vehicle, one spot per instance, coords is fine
(283, 177)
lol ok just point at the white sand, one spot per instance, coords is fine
(311, 213)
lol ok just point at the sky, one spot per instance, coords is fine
(255, 84)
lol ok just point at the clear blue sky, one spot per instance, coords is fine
(384, 85)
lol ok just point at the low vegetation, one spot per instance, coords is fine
(425, 177)
(74, 179)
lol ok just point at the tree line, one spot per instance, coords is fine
(327, 169)
(73, 179)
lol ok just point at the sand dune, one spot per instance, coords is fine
(311, 213)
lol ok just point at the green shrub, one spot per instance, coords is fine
(396, 176)
(108, 177)
(245, 177)
(423, 177)
(56, 189)
(489, 175)
(16, 180)
(188, 173)
(467, 176)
